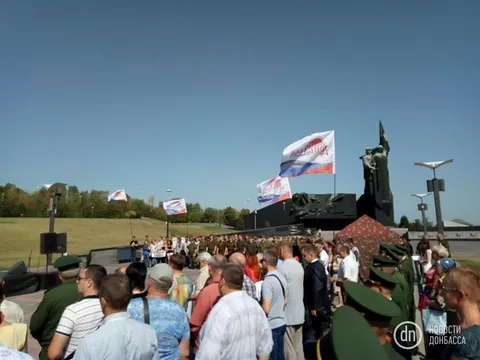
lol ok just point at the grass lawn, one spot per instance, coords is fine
(19, 236)
(473, 263)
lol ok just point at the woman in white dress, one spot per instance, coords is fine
(427, 260)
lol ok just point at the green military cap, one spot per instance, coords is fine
(384, 247)
(67, 262)
(397, 251)
(383, 261)
(378, 277)
(350, 337)
(391, 254)
(403, 248)
(372, 304)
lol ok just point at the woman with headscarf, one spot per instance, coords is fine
(461, 292)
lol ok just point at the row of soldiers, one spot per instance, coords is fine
(228, 244)
(381, 304)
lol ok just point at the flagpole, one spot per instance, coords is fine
(131, 229)
(334, 196)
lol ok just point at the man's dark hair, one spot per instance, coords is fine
(177, 262)
(344, 248)
(271, 257)
(137, 274)
(96, 273)
(310, 249)
(233, 276)
(116, 290)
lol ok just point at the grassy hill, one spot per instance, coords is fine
(19, 236)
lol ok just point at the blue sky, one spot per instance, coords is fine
(202, 96)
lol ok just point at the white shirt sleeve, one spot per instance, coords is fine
(67, 322)
(265, 345)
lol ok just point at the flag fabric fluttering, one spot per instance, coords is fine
(273, 191)
(175, 207)
(314, 154)
(383, 137)
(119, 195)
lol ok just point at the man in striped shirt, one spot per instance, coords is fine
(80, 318)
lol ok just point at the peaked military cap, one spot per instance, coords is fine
(397, 251)
(350, 337)
(383, 247)
(67, 262)
(383, 261)
(372, 304)
(378, 277)
(403, 248)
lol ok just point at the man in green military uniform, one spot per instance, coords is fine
(400, 294)
(377, 310)
(45, 319)
(221, 245)
(407, 269)
(350, 337)
(192, 247)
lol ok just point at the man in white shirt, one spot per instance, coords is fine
(348, 270)
(81, 318)
(248, 336)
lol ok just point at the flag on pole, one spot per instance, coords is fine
(119, 195)
(383, 137)
(175, 207)
(273, 191)
(314, 154)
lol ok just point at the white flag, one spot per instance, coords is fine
(119, 195)
(175, 207)
(314, 154)
(273, 191)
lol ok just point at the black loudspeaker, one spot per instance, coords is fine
(51, 243)
(18, 269)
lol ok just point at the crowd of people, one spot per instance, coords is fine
(254, 298)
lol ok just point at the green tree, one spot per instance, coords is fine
(416, 225)
(240, 224)
(267, 224)
(404, 223)
(210, 215)
(195, 212)
(230, 215)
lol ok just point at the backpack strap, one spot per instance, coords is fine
(146, 311)
(283, 289)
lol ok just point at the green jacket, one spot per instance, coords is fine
(45, 319)
(392, 354)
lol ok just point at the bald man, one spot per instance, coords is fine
(248, 285)
(121, 270)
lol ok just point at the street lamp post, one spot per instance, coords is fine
(168, 191)
(422, 207)
(255, 219)
(436, 186)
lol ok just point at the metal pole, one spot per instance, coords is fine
(51, 228)
(255, 219)
(168, 228)
(438, 209)
(424, 220)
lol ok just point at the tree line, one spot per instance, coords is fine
(16, 202)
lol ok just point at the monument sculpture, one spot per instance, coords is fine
(377, 198)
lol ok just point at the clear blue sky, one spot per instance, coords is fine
(202, 96)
